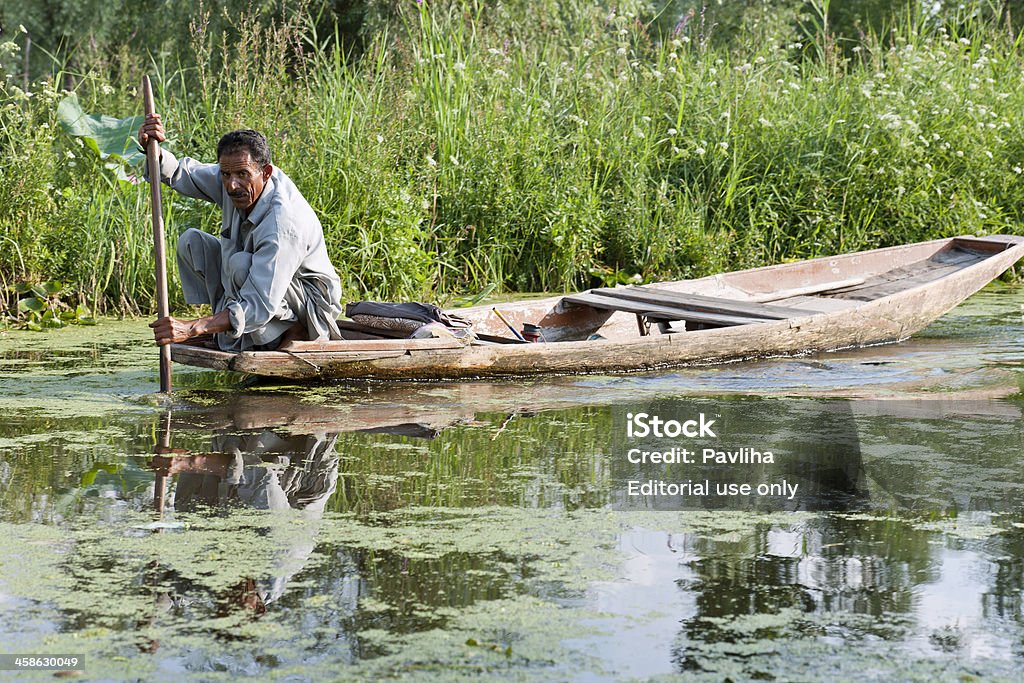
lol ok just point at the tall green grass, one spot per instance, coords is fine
(465, 148)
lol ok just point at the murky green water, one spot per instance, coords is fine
(480, 529)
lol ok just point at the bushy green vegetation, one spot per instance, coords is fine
(540, 146)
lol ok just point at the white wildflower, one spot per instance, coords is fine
(724, 146)
(1018, 170)
(700, 151)
(672, 131)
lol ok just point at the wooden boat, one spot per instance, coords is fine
(871, 297)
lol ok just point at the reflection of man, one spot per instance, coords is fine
(267, 471)
(268, 276)
(262, 470)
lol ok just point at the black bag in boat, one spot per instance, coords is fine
(405, 317)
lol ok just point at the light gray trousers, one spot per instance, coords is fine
(203, 282)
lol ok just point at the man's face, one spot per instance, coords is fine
(243, 179)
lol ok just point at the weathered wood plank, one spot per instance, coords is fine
(658, 312)
(991, 244)
(348, 345)
(819, 304)
(935, 268)
(202, 356)
(697, 302)
(309, 364)
(818, 288)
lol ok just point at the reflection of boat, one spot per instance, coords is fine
(401, 410)
(869, 297)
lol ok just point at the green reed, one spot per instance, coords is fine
(465, 147)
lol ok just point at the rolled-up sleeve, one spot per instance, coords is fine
(190, 177)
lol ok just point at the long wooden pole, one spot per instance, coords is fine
(162, 307)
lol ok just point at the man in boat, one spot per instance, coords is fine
(267, 276)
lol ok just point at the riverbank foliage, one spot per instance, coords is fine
(449, 146)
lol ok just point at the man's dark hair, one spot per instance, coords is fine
(246, 139)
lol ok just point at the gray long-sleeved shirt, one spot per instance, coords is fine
(285, 239)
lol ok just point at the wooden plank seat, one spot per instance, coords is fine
(699, 302)
(658, 313)
(652, 304)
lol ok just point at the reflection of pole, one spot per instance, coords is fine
(160, 482)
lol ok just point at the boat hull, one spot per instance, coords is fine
(843, 323)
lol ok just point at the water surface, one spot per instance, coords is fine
(457, 530)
